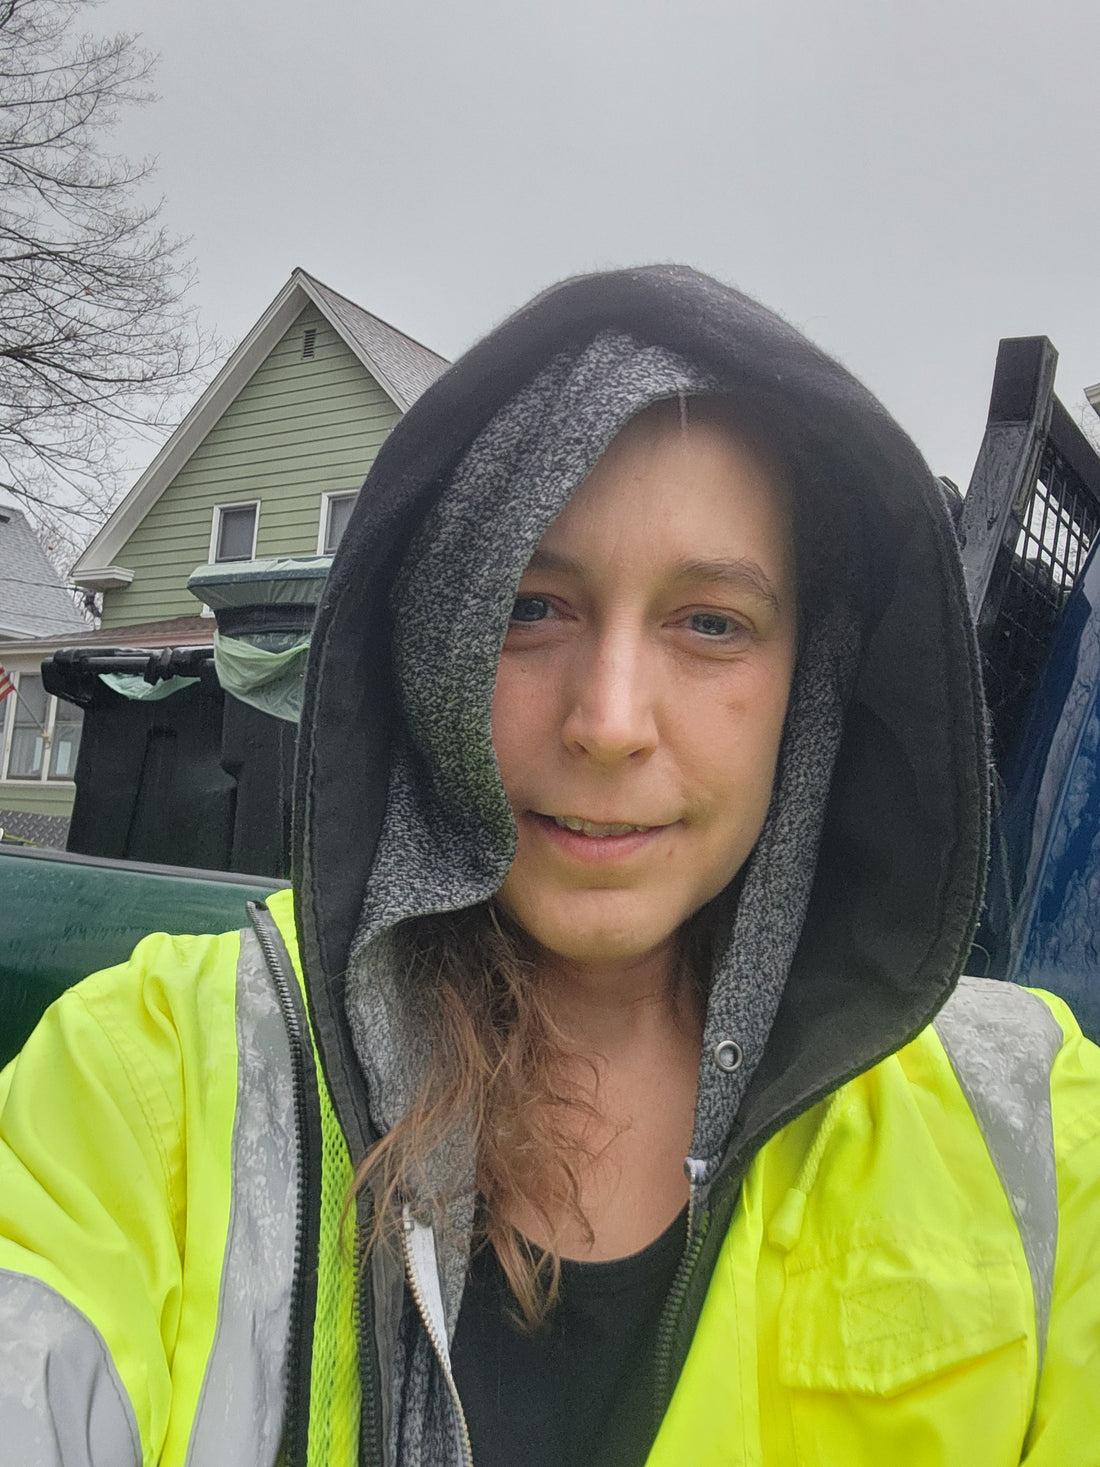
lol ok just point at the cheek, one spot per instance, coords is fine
(735, 746)
(748, 723)
(516, 717)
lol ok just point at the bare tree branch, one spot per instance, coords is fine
(1086, 418)
(96, 338)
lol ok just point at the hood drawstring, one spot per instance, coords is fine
(785, 1227)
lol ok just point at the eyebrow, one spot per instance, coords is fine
(740, 574)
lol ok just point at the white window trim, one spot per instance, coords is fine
(322, 525)
(43, 775)
(215, 526)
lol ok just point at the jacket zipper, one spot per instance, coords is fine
(441, 1351)
(698, 1223)
(371, 1450)
(307, 1134)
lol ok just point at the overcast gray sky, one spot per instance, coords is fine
(907, 182)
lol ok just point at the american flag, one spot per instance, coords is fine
(6, 684)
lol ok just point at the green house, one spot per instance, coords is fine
(268, 461)
(266, 464)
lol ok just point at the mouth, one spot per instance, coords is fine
(595, 829)
(598, 843)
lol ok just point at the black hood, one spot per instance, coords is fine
(903, 848)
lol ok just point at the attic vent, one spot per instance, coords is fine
(309, 342)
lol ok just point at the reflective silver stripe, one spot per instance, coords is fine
(62, 1403)
(1002, 1043)
(240, 1412)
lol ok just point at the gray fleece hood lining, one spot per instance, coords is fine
(448, 836)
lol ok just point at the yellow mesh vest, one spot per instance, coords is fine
(334, 1382)
(334, 1398)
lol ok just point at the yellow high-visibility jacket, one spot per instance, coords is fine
(872, 1299)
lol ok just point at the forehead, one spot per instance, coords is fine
(672, 489)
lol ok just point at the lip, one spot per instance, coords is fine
(594, 850)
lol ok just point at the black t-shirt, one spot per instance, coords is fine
(549, 1399)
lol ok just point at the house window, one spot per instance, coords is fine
(28, 735)
(335, 512)
(67, 723)
(233, 535)
(43, 732)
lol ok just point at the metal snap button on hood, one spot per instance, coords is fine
(728, 1055)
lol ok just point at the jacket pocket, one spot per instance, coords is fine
(886, 1312)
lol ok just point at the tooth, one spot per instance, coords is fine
(594, 830)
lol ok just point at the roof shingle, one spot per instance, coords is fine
(180, 631)
(407, 367)
(33, 598)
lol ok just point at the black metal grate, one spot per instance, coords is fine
(309, 343)
(1061, 523)
(1058, 526)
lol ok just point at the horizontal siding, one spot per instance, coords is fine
(299, 429)
(289, 484)
(288, 462)
(33, 798)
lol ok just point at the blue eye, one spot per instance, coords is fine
(530, 608)
(710, 624)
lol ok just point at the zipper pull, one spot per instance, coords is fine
(700, 1174)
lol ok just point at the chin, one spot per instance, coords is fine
(601, 949)
(595, 938)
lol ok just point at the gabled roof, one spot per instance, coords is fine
(402, 367)
(33, 599)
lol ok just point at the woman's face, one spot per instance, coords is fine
(642, 689)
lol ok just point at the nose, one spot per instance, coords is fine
(611, 693)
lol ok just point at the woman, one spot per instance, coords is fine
(640, 837)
